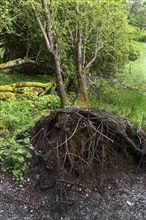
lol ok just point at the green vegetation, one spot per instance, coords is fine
(135, 72)
(119, 100)
(6, 79)
(17, 115)
(86, 38)
(126, 94)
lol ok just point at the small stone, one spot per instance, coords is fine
(38, 176)
(129, 203)
(25, 207)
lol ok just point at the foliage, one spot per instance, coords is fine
(134, 52)
(20, 37)
(137, 13)
(134, 72)
(13, 156)
(113, 97)
(107, 24)
(17, 115)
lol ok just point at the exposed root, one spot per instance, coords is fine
(75, 141)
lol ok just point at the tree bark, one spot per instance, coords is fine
(48, 37)
(59, 80)
(14, 63)
(82, 97)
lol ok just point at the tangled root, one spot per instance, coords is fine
(73, 139)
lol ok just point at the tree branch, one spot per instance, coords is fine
(14, 63)
(42, 28)
(95, 55)
(48, 23)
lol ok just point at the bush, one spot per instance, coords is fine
(13, 156)
(133, 52)
(142, 38)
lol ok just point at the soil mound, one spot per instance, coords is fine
(71, 143)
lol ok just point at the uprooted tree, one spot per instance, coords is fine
(72, 142)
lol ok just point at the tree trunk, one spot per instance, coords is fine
(82, 97)
(48, 37)
(59, 80)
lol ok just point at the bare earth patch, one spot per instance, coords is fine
(122, 198)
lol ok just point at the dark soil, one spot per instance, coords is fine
(123, 197)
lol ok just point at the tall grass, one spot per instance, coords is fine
(125, 95)
(118, 100)
(20, 77)
(134, 74)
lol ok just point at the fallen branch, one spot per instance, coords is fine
(21, 88)
(16, 62)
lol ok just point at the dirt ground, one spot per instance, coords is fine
(121, 198)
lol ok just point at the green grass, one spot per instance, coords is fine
(135, 72)
(124, 102)
(19, 77)
(125, 95)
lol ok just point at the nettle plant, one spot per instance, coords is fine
(14, 154)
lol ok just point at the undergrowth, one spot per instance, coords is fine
(10, 78)
(119, 100)
(17, 115)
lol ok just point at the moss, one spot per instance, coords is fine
(8, 91)
(82, 99)
(6, 95)
(50, 85)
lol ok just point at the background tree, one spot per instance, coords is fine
(137, 13)
(83, 42)
(52, 47)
